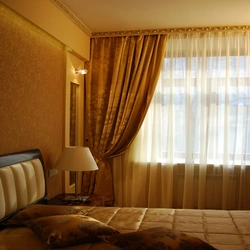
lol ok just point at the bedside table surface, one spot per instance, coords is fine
(92, 200)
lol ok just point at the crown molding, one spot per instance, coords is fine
(167, 31)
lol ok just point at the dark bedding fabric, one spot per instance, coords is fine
(23, 238)
(39, 210)
(70, 229)
(157, 238)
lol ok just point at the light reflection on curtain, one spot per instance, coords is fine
(193, 148)
(123, 72)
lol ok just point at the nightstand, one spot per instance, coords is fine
(93, 200)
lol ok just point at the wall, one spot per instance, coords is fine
(32, 91)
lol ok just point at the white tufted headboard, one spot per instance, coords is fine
(22, 181)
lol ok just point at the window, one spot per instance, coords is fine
(200, 112)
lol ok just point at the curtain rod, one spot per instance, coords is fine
(169, 31)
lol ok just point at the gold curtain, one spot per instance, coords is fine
(123, 72)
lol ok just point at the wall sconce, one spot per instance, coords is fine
(81, 71)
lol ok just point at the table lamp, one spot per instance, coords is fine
(76, 159)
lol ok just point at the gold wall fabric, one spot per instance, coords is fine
(123, 72)
(32, 87)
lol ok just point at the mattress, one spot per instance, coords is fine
(225, 230)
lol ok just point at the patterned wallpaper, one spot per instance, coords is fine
(32, 91)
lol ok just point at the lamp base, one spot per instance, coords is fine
(73, 198)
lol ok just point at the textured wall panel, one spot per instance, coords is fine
(32, 90)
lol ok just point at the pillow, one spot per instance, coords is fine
(157, 238)
(39, 210)
(65, 230)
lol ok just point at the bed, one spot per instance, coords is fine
(27, 222)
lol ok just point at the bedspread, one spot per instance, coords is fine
(222, 229)
(225, 230)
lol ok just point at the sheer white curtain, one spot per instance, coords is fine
(193, 148)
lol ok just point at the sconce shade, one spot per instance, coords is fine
(76, 159)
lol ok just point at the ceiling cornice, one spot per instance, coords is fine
(167, 31)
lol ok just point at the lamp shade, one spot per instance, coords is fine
(76, 159)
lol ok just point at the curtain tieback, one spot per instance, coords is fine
(98, 157)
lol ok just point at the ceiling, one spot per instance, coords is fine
(125, 15)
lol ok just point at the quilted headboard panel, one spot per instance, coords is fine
(21, 183)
